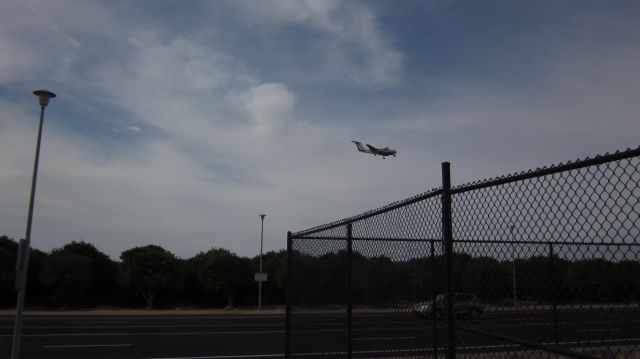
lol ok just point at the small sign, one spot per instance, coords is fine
(260, 277)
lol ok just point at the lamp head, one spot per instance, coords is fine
(44, 96)
(262, 216)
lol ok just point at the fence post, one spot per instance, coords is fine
(434, 323)
(447, 233)
(554, 287)
(349, 284)
(288, 285)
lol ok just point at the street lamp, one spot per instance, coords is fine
(22, 262)
(260, 279)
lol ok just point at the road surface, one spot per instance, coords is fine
(314, 335)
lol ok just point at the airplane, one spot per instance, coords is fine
(384, 152)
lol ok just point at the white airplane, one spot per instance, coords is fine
(384, 152)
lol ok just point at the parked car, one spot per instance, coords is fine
(463, 304)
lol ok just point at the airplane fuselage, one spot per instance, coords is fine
(384, 152)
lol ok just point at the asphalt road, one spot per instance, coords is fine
(157, 336)
(397, 334)
(319, 335)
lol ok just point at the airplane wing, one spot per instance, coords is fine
(371, 148)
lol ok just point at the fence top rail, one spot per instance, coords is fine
(491, 182)
(369, 239)
(389, 207)
(545, 171)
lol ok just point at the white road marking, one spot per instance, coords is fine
(87, 322)
(595, 341)
(146, 334)
(115, 325)
(158, 317)
(387, 338)
(599, 330)
(86, 346)
(225, 356)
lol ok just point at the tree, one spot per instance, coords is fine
(221, 271)
(8, 255)
(149, 270)
(594, 280)
(7, 276)
(375, 280)
(102, 271)
(541, 278)
(487, 278)
(629, 288)
(67, 278)
(304, 278)
(191, 291)
(332, 279)
(8, 252)
(426, 277)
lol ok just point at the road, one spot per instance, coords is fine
(319, 335)
(140, 336)
(398, 334)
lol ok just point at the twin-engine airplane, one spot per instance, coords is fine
(384, 152)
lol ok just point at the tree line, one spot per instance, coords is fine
(78, 275)
(319, 280)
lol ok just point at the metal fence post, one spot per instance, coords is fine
(349, 284)
(434, 324)
(553, 294)
(288, 285)
(447, 233)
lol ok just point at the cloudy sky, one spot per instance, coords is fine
(178, 122)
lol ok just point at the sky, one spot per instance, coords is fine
(177, 123)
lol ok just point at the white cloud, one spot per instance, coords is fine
(268, 105)
(42, 40)
(356, 48)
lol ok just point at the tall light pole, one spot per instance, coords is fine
(513, 265)
(260, 281)
(22, 262)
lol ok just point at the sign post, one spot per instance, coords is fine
(260, 273)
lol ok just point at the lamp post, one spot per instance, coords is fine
(260, 281)
(22, 262)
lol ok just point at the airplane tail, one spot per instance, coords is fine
(361, 148)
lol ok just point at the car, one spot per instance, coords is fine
(463, 304)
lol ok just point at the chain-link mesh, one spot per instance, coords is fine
(319, 297)
(555, 258)
(544, 264)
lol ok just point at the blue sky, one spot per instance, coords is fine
(177, 123)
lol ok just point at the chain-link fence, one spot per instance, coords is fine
(540, 264)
